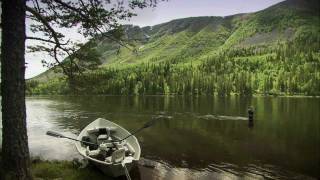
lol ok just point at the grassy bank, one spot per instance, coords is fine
(66, 170)
(63, 170)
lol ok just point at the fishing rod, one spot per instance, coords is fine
(146, 125)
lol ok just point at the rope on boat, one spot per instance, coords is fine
(126, 172)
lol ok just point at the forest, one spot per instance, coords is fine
(290, 68)
(271, 52)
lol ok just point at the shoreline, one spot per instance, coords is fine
(174, 95)
(42, 169)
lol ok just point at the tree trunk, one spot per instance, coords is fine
(15, 151)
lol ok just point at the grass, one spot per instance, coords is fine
(63, 170)
(66, 170)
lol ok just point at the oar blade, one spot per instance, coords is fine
(54, 134)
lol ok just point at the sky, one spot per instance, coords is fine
(164, 12)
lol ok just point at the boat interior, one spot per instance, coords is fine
(104, 145)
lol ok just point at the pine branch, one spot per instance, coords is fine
(45, 23)
(45, 40)
(87, 18)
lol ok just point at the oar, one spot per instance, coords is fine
(58, 135)
(126, 172)
(146, 125)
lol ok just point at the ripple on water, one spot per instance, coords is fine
(223, 142)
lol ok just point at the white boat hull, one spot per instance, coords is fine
(110, 169)
(113, 170)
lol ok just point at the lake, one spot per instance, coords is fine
(193, 143)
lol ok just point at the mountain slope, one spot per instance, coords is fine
(203, 35)
(265, 40)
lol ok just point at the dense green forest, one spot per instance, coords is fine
(274, 51)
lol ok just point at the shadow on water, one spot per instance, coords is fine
(206, 138)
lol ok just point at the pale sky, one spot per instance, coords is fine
(166, 11)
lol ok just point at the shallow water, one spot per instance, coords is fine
(193, 143)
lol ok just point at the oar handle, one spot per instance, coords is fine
(58, 135)
(82, 141)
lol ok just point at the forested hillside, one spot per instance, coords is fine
(274, 51)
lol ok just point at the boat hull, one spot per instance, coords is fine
(110, 169)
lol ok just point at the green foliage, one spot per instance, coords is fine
(286, 68)
(53, 86)
(275, 51)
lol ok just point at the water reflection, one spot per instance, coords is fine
(284, 143)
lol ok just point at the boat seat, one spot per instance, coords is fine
(117, 156)
(103, 130)
(104, 134)
(103, 138)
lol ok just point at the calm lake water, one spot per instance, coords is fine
(284, 142)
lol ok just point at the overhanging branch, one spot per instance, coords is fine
(96, 29)
(45, 23)
(44, 40)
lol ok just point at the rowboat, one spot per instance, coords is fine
(100, 145)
